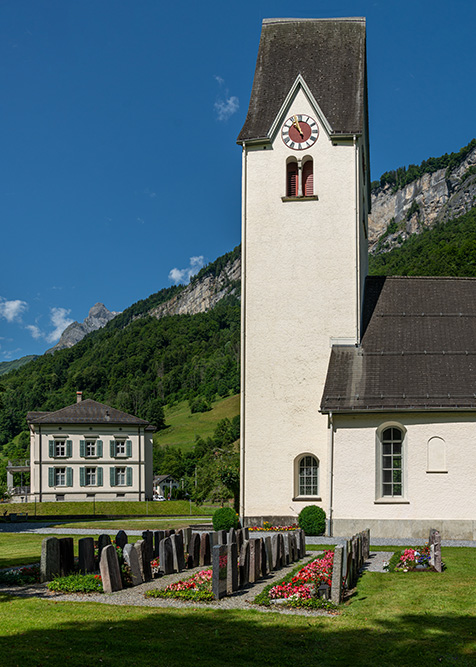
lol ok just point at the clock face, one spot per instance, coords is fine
(300, 132)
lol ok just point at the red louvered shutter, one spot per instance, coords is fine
(308, 179)
(292, 180)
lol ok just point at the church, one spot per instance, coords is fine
(358, 392)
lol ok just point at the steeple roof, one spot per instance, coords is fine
(329, 54)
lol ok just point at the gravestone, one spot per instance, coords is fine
(158, 537)
(280, 559)
(269, 552)
(214, 539)
(103, 541)
(255, 560)
(274, 551)
(222, 535)
(302, 543)
(144, 563)
(189, 562)
(220, 570)
(232, 568)
(50, 559)
(66, 547)
(177, 552)
(194, 549)
(121, 539)
(132, 560)
(110, 570)
(86, 555)
(205, 555)
(231, 536)
(166, 558)
(435, 542)
(246, 533)
(148, 537)
(239, 539)
(187, 534)
(365, 545)
(286, 558)
(336, 585)
(264, 559)
(244, 573)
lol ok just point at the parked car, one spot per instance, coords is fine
(159, 498)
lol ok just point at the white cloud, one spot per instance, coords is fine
(60, 321)
(34, 330)
(12, 310)
(184, 275)
(226, 105)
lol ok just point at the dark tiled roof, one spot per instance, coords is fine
(418, 349)
(330, 56)
(85, 412)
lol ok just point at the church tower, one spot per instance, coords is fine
(305, 199)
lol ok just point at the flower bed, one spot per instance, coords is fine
(411, 560)
(269, 528)
(77, 583)
(299, 587)
(197, 588)
(21, 576)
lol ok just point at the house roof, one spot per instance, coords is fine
(162, 478)
(85, 412)
(418, 349)
(330, 56)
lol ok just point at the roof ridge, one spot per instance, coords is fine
(354, 19)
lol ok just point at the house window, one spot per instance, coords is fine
(60, 476)
(307, 476)
(90, 476)
(90, 447)
(120, 476)
(392, 462)
(120, 447)
(60, 448)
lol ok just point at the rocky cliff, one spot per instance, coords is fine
(203, 293)
(97, 318)
(424, 202)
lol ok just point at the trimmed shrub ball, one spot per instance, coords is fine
(224, 519)
(312, 520)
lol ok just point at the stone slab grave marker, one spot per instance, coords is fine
(281, 559)
(336, 585)
(286, 559)
(302, 543)
(222, 535)
(194, 549)
(232, 568)
(231, 536)
(269, 552)
(274, 551)
(103, 541)
(86, 555)
(244, 564)
(177, 552)
(158, 537)
(144, 562)
(166, 556)
(264, 567)
(205, 552)
(50, 559)
(220, 570)
(148, 537)
(121, 539)
(132, 560)
(239, 539)
(255, 560)
(110, 570)
(292, 548)
(187, 534)
(66, 547)
(435, 549)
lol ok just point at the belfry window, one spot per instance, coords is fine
(292, 179)
(307, 179)
(300, 177)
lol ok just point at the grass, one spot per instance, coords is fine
(25, 548)
(183, 426)
(128, 508)
(393, 620)
(143, 523)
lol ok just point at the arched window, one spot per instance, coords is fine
(292, 179)
(391, 462)
(308, 476)
(308, 178)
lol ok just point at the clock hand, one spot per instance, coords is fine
(297, 126)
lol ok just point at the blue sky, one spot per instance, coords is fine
(119, 171)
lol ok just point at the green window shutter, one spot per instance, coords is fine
(82, 448)
(129, 448)
(99, 476)
(82, 477)
(99, 448)
(112, 478)
(51, 476)
(128, 476)
(69, 448)
(51, 447)
(112, 448)
(69, 476)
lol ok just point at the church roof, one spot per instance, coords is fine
(418, 349)
(330, 56)
(85, 412)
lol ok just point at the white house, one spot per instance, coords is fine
(89, 451)
(358, 395)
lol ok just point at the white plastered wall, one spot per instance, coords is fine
(301, 288)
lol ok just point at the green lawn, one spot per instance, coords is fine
(129, 508)
(397, 620)
(183, 426)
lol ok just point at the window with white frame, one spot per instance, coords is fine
(307, 476)
(90, 476)
(60, 476)
(60, 447)
(120, 476)
(120, 447)
(391, 462)
(90, 447)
